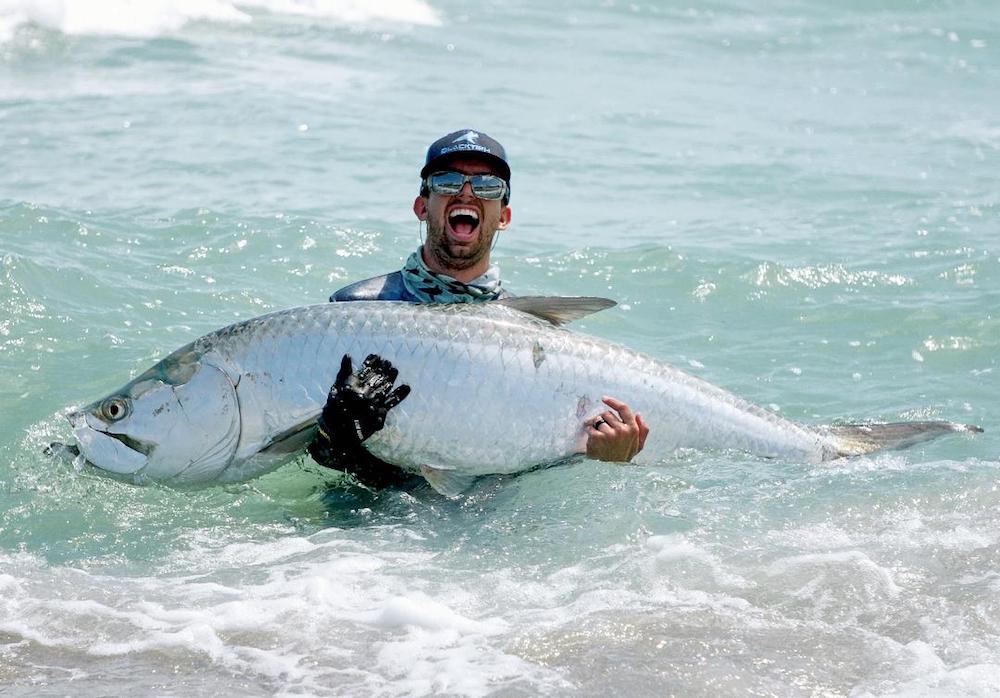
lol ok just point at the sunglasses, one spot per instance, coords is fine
(484, 186)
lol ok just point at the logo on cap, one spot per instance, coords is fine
(468, 137)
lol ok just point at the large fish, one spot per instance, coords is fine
(496, 388)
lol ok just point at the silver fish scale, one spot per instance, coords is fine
(493, 390)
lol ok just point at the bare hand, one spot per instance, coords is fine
(617, 434)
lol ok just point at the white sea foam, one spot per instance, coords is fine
(421, 611)
(837, 587)
(676, 549)
(148, 18)
(934, 679)
(355, 11)
(819, 570)
(141, 18)
(441, 651)
(8, 23)
(274, 621)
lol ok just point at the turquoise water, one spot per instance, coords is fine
(797, 202)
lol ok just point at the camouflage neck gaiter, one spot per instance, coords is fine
(430, 287)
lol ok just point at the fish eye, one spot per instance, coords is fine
(114, 409)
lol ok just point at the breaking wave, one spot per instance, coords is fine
(149, 18)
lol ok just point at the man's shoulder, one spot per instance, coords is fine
(387, 287)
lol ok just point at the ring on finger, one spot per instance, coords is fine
(599, 423)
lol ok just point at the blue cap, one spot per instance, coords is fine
(468, 142)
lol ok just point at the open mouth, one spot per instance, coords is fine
(463, 223)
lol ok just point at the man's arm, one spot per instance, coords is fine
(355, 409)
(617, 434)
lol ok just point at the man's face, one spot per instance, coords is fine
(460, 228)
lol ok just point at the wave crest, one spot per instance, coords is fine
(149, 18)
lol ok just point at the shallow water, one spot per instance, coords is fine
(797, 203)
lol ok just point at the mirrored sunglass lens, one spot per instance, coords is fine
(483, 186)
(447, 182)
(487, 186)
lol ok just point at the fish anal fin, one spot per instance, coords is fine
(558, 310)
(446, 481)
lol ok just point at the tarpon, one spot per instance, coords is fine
(499, 387)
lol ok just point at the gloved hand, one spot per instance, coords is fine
(355, 409)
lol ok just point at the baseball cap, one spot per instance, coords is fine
(468, 142)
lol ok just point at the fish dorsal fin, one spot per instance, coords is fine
(558, 310)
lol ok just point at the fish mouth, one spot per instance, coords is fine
(137, 445)
(463, 223)
(114, 453)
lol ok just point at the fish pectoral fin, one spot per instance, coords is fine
(293, 439)
(445, 480)
(558, 310)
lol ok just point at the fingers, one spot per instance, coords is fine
(621, 409)
(614, 417)
(606, 424)
(382, 378)
(346, 369)
(369, 367)
(396, 396)
(383, 368)
(643, 431)
(374, 380)
(593, 427)
(370, 379)
(616, 434)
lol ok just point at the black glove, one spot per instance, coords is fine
(355, 409)
(359, 402)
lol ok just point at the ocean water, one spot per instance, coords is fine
(794, 199)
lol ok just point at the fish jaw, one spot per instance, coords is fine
(103, 450)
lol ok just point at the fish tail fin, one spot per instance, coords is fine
(859, 439)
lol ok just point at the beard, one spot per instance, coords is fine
(450, 255)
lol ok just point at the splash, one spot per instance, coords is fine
(149, 18)
(139, 18)
(355, 11)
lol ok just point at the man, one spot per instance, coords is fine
(463, 199)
